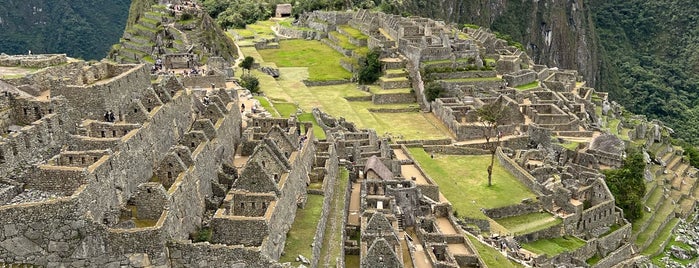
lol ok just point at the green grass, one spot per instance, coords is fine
(330, 99)
(463, 180)
(529, 86)
(425, 63)
(490, 256)
(300, 236)
(352, 32)
(343, 41)
(594, 260)
(332, 244)
(352, 261)
(317, 130)
(656, 259)
(571, 145)
(265, 104)
(613, 126)
(321, 60)
(664, 234)
(554, 246)
(285, 109)
(529, 223)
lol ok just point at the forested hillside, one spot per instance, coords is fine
(80, 28)
(650, 59)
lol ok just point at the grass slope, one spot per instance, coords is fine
(321, 60)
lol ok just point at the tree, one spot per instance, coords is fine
(491, 116)
(627, 185)
(370, 68)
(247, 63)
(250, 82)
(433, 90)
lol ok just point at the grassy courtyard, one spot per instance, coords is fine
(554, 246)
(331, 99)
(322, 61)
(300, 236)
(463, 180)
(490, 256)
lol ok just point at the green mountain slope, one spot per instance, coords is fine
(80, 28)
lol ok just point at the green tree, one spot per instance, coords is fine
(627, 185)
(250, 82)
(247, 63)
(491, 116)
(370, 68)
(433, 90)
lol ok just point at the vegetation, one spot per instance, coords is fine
(201, 235)
(81, 29)
(300, 236)
(433, 90)
(529, 86)
(247, 63)
(370, 68)
(554, 246)
(238, 13)
(627, 184)
(490, 256)
(461, 180)
(250, 82)
(332, 240)
(529, 223)
(321, 60)
(650, 51)
(491, 116)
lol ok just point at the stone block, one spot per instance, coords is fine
(139, 260)
(20, 246)
(58, 246)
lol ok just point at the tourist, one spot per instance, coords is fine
(111, 116)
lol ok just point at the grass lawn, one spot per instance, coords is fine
(571, 145)
(352, 261)
(322, 61)
(332, 243)
(529, 223)
(463, 180)
(330, 99)
(490, 256)
(554, 246)
(529, 86)
(285, 109)
(265, 104)
(352, 32)
(300, 236)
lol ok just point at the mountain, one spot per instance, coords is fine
(79, 28)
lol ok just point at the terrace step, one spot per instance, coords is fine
(395, 73)
(659, 243)
(392, 63)
(391, 83)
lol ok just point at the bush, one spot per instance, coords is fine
(250, 82)
(370, 68)
(627, 184)
(433, 90)
(202, 235)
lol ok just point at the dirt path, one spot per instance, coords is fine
(400, 155)
(445, 226)
(353, 215)
(410, 171)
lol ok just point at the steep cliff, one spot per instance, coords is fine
(80, 28)
(555, 33)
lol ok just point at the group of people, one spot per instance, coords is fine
(109, 117)
(158, 66)
(193, 71)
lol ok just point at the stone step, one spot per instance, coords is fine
(150, 23)
(667, 157)
(392, 63)
(682, 169)
(664, 235)
(395, 73)
(391, 83)
(665, 211)
(686, 207)
(676, 160)
(145, 47)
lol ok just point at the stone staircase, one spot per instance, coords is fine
(153, 34)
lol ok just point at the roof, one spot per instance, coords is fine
(284, 8)
(377, 166)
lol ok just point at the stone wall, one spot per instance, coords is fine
(116, 94)
(551, 232)
(460, 75)
(282, 218)
(331, 178)
(513, 210)
(393, 98)
(32, 61)
(204, 81)
(186, 254)
(619, 255)
(519, 173)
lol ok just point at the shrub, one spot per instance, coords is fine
(370, 68)
(433, 90)
(250, 82)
